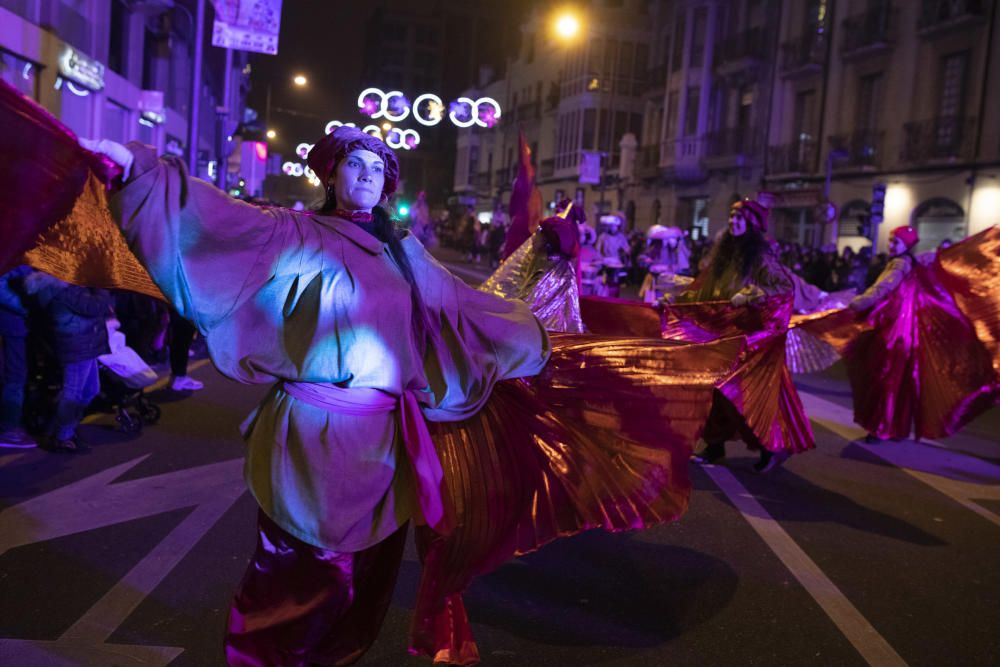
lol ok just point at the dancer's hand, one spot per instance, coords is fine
(739, 299)
(115, 151)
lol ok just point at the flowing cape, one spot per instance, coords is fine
(760, 385)
(55, 203)
(925, 360)
(601, 439)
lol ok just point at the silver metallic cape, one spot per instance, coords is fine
(546, 283)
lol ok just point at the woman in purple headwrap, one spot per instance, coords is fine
(374, 349)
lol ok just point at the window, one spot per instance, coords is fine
(114, 125)
(691, 112)
(948, 126)
(677, 58)
(589, 128)
(118, 49)
(869, 94)
(698, 36)
(19, 73)
(953, 67)
(672, 115)
(805, 105)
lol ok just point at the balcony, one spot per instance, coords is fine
(741, 50)
(868, 33)
(803, 56)
(941, 139)
(648, 161)
(683, 159)
(797, 157)
(939, 16)
(863, 148)
(731, 147)
(483, 182)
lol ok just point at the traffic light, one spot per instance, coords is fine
(876, 211)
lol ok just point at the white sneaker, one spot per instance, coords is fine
(16, 439)
(185, 383)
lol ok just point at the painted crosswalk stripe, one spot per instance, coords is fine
(865, 639)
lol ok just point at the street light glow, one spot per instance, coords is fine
(386, 126)
(271, 134)
(567, 25)
(300, 80)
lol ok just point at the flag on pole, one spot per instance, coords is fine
(525, 208)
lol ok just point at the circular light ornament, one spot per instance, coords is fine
(373, 130)
(428, 109)
(334, 124)
(302, 150)
(402, 139)
(466, 112)
(375, 103)
(287, 168)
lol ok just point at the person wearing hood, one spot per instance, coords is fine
(75, 329)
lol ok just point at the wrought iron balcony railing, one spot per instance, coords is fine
(940, 138)
(868, 31)
(863, 148)
(796, 157)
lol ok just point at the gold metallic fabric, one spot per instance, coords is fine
(86, 248)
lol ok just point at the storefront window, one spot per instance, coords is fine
(115, 125)
(19, 73)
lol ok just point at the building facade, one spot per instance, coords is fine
(122, 71)
(814, 102)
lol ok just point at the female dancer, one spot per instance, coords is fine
(365, 337)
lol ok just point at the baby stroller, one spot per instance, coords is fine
(124, 376)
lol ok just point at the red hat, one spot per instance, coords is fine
(908, 235)
(334, 147)
(755, 213)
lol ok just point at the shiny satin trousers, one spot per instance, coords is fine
(301, 605)
(725, 422)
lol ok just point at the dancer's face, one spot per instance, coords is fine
(359, 180)
(737, 223)
(896, 247)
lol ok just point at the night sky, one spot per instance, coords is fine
(325, 42)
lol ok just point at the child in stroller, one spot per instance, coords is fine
(124, 376)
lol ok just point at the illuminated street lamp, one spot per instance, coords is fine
(567, 26)
(299, 80)
(271, 134)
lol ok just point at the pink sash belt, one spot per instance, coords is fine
(427, 471)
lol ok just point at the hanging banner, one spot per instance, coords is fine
(590, 167)
(247, 25)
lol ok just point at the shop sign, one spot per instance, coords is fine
(801, 198)
(247, 25)
(80, 69)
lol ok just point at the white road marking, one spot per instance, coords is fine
(962, 478)
(868, 642)
(97, 501)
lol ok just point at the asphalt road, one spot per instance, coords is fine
(847, 555)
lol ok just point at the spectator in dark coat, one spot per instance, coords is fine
(14, 331)
(75, 327)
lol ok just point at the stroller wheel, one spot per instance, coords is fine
(128, 422)
(150, 412)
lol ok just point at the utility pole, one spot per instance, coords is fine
(195, 106)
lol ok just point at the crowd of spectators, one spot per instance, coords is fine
(54, 334)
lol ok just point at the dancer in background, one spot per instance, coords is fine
(745, 291)
(920, 345)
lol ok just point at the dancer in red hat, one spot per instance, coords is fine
(915, 352)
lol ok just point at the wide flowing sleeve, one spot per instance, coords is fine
(477, 339)
(888, 280)
(206, 251)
